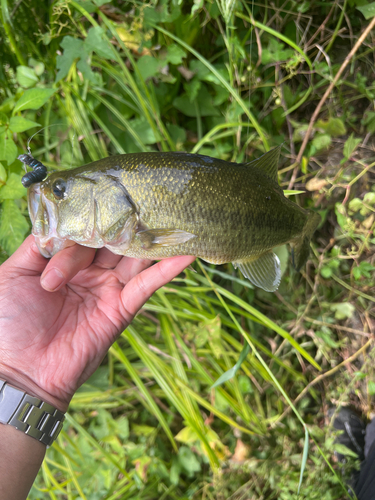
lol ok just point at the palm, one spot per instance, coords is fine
(61, 337)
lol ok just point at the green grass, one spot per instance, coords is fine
(228, 79)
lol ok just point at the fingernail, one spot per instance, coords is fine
(52, 280)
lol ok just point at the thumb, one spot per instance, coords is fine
(26, 259)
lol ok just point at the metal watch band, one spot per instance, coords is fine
(29, 414)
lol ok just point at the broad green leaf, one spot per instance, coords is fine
(177, 133)
(355, 205)
(327, 336)
(321, 141)
(203, 73)
(202, 106)
(192, 89)
(89, 6)
(3, 174)
(364, 269)
(20, 124)
(33, 99)
(334, 126)
(73, 49)
(342, 218)
(188, 460)
(142, 430)
(13, 226)
(299, 132)
(213, 327)
(343, 450)
(367, 10)
(351, 145)
(26, 76)
(369, 198)
(8, 150)
(13, 188)
(148, 66)
(97, 42)
(187, 435)
(199, 69)
(343, 310)
(369, 121)
(3, 122)
(7, 105)
(276, 52)
(84, 67)
(142, 128)
(175, 54)
(222, 80)
(175, 471)
(165, 13)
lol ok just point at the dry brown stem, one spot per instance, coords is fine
(348, 58)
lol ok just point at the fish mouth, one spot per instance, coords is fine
(43, 215)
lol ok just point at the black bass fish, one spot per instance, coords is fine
(158, 205)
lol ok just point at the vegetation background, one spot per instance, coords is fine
(230, 79)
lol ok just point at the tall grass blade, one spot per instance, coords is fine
(276, 34)
(265, 321)
(118, 353)
(232, 372)
(304, 458)
(224, 83)
(171, 390)
(95, 444)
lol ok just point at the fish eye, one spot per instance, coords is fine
(58, 189)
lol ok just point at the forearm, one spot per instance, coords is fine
(20, 459)
(27, 425)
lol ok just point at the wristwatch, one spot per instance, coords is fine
(29, 414)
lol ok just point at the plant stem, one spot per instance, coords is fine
(9, 33)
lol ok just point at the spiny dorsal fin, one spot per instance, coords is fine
(268, 162)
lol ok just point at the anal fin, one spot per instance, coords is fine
(264, 271)
(163, 237)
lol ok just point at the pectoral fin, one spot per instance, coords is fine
(264, 271)
(162, 237)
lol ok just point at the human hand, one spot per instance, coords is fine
(51, 342)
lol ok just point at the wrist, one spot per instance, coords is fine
(29, 414)
(23, 382)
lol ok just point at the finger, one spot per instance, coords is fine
(65, 265)
(27, 259)
(106, 259)
(143, 285)
(128, 267)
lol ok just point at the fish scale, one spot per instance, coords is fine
(158, 205)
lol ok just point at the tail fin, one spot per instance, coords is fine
(301, 248)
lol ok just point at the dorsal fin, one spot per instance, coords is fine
(268, 162)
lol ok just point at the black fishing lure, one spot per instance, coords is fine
(38, 173)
